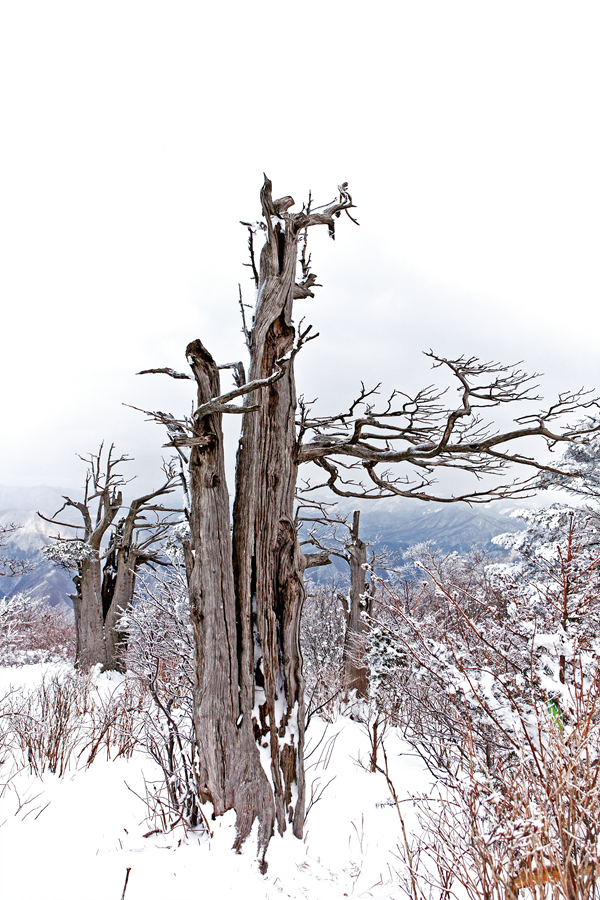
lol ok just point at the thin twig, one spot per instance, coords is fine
(126, 880)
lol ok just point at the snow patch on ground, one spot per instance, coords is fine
(76, 837)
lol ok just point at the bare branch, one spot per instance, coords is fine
(166, 371)
(307, 217)
(424, 433)
(245, 330)
(55, 522)
(316, 559)
(222, 404)
(252, 264)
(239, 373)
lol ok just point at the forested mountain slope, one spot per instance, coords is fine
(397, 524)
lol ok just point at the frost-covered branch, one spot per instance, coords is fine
(10, 566)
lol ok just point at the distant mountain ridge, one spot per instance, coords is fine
(395, 523)
(453, 526)
(20, 506)
(398, 524)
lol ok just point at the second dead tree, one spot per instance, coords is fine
(105, 575)
(324, 534)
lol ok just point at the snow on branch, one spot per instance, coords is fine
(69, 554)
(10, 566)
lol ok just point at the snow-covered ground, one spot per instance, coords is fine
(76, 837)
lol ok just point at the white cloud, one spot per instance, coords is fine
(136, 135)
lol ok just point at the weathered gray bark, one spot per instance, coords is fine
(230, 770)
(90, 647)
(118, 587)
(246, 585)
(356, 674)
(246, 599)
(102, 597)
(268, 563)
(104, 593)
(105, 579)
(246, 588)
(130, 550)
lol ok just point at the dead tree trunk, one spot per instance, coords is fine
(356, 674)
(105, 578)
(268, 564)
(230, 770)
(325, 535)
(118, 588)
(246, 598)
(89, 622)
(246, 593)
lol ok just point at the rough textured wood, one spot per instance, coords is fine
(90, 647)
(268, 563)
(105, 576)
(118, 586)
(356, 675)
(230, 771)
(246, 595)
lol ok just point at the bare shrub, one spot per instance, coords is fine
(532, 823)
(6, 740)
(49, 722)
(115, 723)
(322, 637)
(32, 631)
(410, 620)
(66, 721)
(161, 654)
(515, 665)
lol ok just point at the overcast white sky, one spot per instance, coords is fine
(135, 135)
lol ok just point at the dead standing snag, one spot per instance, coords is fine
(337, 537)
(246, 583)
(105, 575)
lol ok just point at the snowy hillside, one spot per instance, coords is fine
(44, 581)
(89, 827)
